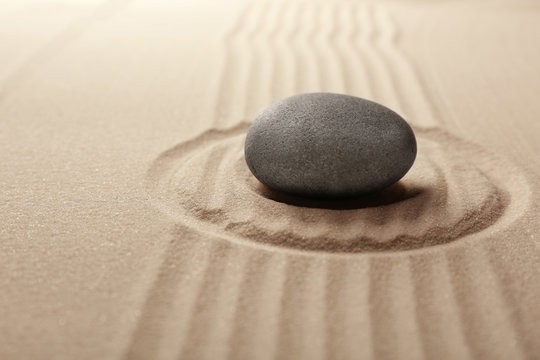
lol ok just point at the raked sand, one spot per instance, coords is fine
(131, 227)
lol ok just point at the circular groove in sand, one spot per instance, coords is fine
(454, 189)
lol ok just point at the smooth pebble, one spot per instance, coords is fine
(328, 145)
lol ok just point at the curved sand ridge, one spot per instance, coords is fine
(454, 189)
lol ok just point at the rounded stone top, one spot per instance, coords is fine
(329, 145)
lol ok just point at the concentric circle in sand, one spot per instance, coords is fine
(454, 189)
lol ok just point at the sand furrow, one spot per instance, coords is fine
(225, 76)
(333, 36)
(285, 76)
(384, 87)
(312, 81)
(353, 70)
(288, 77)
(303, 326)
(515, 266)
(275, 57)
(348, 312)
(437, 312)
(481, 306)
(357, 31)
(237, 68)
(164, 318)
(325, 45)
(212, 334)
(291, 46)
(256, 326)
(297, 47)
(197, 341)
(257, 47)
(394, 328)
(417, 106)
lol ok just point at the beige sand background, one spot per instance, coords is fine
(129, 226)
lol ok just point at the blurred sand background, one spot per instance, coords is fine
(118, 240)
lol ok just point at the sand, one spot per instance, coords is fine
(131, 228)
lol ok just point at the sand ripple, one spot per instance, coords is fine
(454, 189)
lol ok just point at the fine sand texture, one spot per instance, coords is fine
(131, 227)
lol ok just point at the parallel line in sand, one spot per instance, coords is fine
(285, 46)
(509, 262)
(294, 38)
(384, 88)
(144, 332)
(302, 322)
(260, 80)
(427, 108)
(343, 38)
(189, 341)
(481, 306)
(378, 40)
(273, 90)
(65, 37)
(296, 44)
(337, 35)
(200, 327)
(180, 267)
(314, 80)
(256, 327)
(209, 331)
(355, 37)
(252, 68)
(421, 105)
(227, 88)
(437, 314)
(223, 75)
(394, 329)
(324, 44)
(253, 71)
(348, 312)
(379, 34)
(382, 334)
(335, 32)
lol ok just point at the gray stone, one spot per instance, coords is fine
(329, 145)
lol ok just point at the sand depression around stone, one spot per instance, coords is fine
(454, 190)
